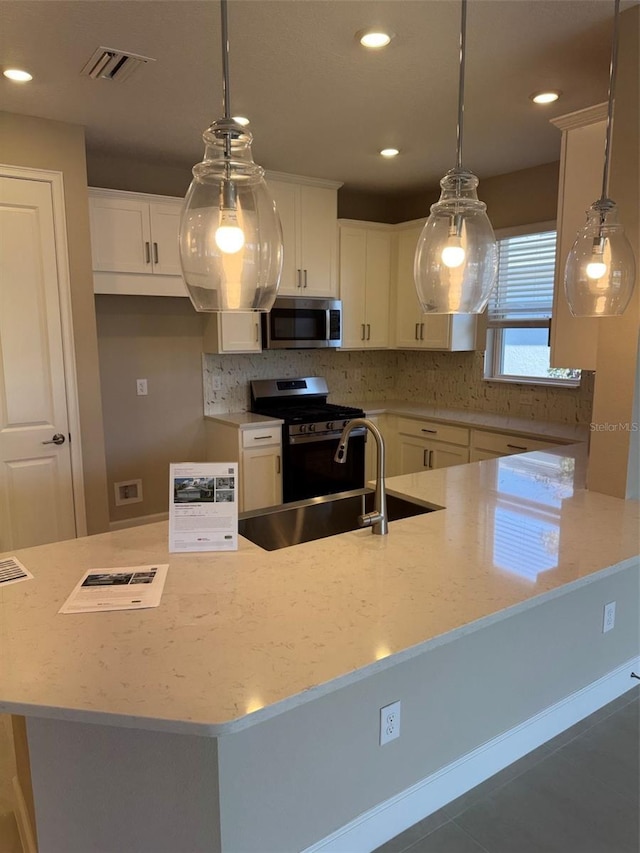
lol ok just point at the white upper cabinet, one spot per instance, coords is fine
(134, 243)
(416, 330)
(232, 331)
(309, 215)
(365, 284)
(574, 340)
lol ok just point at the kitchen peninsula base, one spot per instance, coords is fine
(242, 714)
(294, 779)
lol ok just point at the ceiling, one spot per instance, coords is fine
(319, 103)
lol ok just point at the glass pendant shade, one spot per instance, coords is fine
(600, 269)
(230, 234)
(456, 261)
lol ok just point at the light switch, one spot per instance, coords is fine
(141, 387)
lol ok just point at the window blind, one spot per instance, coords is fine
(524, 290)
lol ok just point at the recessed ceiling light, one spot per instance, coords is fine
(18, 75)
(389, 152)
(374, 38)
(545, 97)
(241, 120)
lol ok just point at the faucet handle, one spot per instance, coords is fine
(369, 519)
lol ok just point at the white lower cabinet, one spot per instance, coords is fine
(486, 444)
(258, 451)
(418, 454)
(232, 331)
(423, 445)
(261, 476)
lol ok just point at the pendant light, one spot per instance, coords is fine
(600, 270)
(456, 260)
(230, 233)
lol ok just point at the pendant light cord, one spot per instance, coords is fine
(226, 96)
(613, 67)
(460, 125)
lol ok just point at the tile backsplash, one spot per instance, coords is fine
(443, 379)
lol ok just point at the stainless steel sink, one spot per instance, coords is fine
(303, 521)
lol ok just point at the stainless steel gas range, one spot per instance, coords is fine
(310, 436)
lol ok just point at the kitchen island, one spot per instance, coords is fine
(243, 713)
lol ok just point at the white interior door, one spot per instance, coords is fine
(36, 492)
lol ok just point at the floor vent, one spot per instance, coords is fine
(110, 64)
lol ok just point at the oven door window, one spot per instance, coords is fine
(300, 324)
(309, 469)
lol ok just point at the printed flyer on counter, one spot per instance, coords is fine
(129, 588)
(203, 506)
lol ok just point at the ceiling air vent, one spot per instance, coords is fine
(110, 64)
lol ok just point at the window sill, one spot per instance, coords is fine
(524, 380)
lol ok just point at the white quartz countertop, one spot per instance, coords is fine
(240, 637)
(545, 430)
(244, 420)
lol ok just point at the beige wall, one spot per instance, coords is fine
(614, 453)
(158, 339)
(518, 198)
(43, 144)
(139, 176)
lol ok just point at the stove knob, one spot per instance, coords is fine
(344, 423)
(312, 427)
(303, 428)
(330, 425)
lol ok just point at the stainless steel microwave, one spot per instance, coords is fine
(302, 323)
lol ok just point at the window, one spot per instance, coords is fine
(519, 311)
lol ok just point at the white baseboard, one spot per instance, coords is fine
(25, 829)
(136, 522)
(388, 819)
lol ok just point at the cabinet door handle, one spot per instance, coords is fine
(261, 437)
(421, 331)
(362, 333)
(431, 459)
(368, 331)
(257, 333)
(305, 278)
(516, 447)
(277, 464)
(155, 253)
(425, 458)
(147, 252)
(432, 431)
(299, 273)
(417, 332)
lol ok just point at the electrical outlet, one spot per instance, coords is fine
(609, 617)
(141, 387)
(389, 722)
(216, 383)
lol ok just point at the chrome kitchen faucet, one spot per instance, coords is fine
(376, 520)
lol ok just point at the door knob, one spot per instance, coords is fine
(58, 438)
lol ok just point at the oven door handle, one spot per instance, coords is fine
(307, 438)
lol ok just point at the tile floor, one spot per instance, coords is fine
(578, 793)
